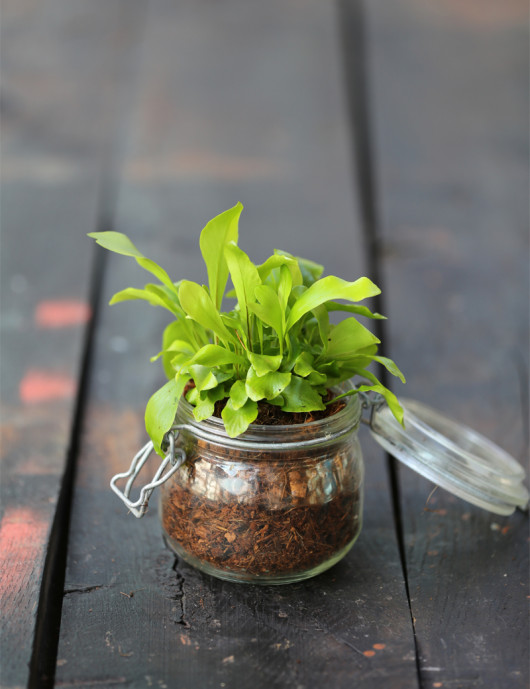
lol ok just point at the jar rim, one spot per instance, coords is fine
(278, 437)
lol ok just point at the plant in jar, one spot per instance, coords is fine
(272, 359)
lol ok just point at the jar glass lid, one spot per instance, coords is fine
(452, 455)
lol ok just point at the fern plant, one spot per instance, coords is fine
(276, 343)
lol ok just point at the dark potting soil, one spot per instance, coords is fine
(271, 415)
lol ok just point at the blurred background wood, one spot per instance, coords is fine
(62, 62)
(451, 122)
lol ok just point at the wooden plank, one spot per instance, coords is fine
(58, 59)
(451, 113)
(236, 102)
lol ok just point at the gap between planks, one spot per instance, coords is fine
(42, 665)
(352, 19)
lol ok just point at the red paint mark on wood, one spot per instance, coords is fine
(22, 535)
(61, 313)
(45, 386)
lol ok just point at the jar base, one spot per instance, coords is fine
(259, 579)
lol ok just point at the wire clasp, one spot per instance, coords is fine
(175, 458)
(372, 401)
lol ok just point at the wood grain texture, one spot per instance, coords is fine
(236, 102)
(57, 67)
(451, 119)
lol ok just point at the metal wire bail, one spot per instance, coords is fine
(372, 401)
(174, 457)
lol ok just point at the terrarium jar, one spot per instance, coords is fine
(275, 505)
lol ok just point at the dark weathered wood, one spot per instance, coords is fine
(450, 105)
(236, 102)
(58, 99)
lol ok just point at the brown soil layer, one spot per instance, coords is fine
(258, 540)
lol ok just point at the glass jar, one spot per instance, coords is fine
(275, 505)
